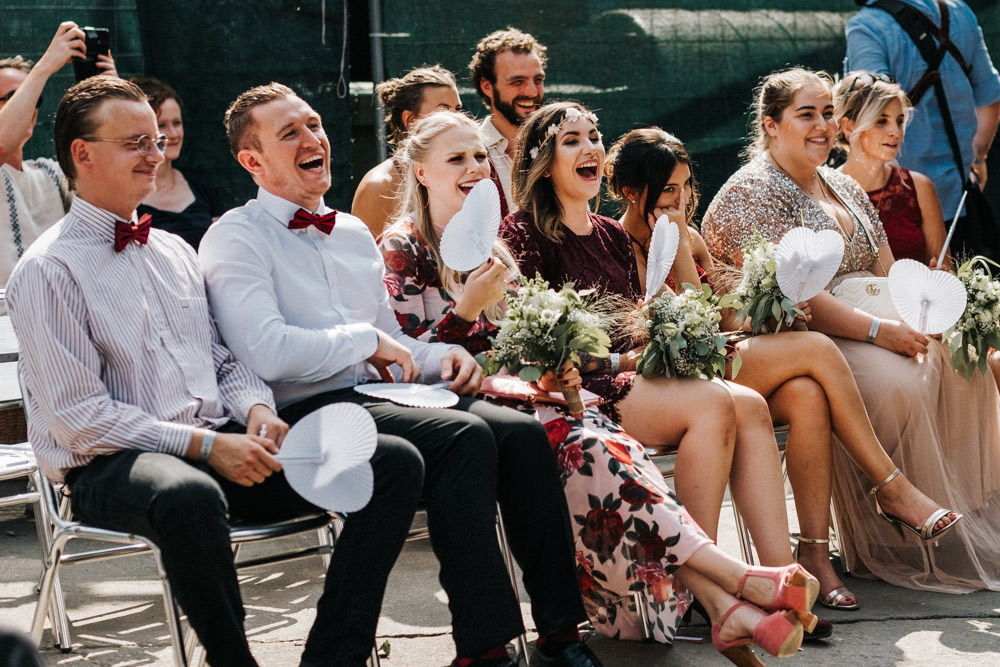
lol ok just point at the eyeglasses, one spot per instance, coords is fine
(144, 144)
(869, 79)
(6, 98)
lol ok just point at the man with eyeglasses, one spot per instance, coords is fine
(133, 399)
(37, 193)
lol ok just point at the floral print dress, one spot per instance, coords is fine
(631, 532)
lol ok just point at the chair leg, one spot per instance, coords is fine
(521, 641)
(746, 549)
(642, 610)
(45, 590)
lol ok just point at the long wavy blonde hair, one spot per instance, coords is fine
(413, 204)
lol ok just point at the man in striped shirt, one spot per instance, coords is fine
(133, 399)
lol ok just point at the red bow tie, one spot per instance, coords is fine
(304, 218)
(126, 232)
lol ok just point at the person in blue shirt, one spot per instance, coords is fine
(877, 43)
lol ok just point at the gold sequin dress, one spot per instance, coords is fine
(940, 429)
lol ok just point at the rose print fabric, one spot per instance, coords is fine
(630, 530)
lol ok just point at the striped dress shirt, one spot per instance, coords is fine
(119, 350)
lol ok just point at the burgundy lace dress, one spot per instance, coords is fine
(899, 212)
(602, 259)
(630, 531)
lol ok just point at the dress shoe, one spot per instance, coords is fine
(822, 630)
(493, 662)
(574, 655)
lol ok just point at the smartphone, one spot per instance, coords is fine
(97, 41)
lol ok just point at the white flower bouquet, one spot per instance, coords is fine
(684, 338)
(758, 296)
(542, 329)
(979, 327)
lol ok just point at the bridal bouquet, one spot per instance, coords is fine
(979, 327)
(758, 296)
(684, 338)
(542, 329)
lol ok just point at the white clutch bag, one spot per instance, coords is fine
(870, 294)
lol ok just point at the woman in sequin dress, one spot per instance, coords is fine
(871, 115)
(804, 377)
(942, 431)
(629, 527)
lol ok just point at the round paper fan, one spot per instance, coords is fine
(662, 251)
(806, 261)
(326, 457)
(929, 301)
(468, 239)
(412, 394)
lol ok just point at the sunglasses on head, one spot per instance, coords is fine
(869, 79)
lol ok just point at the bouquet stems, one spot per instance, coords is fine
(573, 401)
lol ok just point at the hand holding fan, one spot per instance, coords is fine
(929, 301)
(326, 457)
(468, 239)
(662, 251)
(806, 261)
(412, 394)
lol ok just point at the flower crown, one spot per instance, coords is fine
(571, 116)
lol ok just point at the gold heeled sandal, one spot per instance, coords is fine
(926, 530)
(834, 598)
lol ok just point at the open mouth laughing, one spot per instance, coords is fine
(588, 170)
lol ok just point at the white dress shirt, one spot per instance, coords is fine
(301, 307)
(118, 350)
(496, 147)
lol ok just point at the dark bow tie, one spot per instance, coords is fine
(126, 232)
(304, 218)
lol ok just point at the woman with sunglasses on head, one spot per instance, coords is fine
(804, 377)
(181, 204)
(942, 431)
(406, 100)
(639, 533)
(871, 111)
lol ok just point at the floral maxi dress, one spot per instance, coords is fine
(631, 532)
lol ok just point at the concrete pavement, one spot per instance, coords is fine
(118, 618)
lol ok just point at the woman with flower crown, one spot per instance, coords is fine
(631, 533)
(557, 171)
(941, 430)
(803, 375)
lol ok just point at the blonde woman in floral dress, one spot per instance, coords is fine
(629, 528)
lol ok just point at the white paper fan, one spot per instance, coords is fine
(326, 457)
(806, 261)
(929, 301)
(468, 239)
(412, 394)
(662, 251)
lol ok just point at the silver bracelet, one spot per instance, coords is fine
(207, 442)
(873, 330)
(616, 362)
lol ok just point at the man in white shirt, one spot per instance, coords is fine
(133, 399)
(37, 193)
(508, 73)
(298, 295)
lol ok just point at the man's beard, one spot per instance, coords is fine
(508, 111)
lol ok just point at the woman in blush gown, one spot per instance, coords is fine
(941, 430)
(802, 374)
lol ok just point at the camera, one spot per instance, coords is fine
(97, 41)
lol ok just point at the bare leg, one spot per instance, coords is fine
(801, 403)
(755, 481)
(769, 361)
(699, 417)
